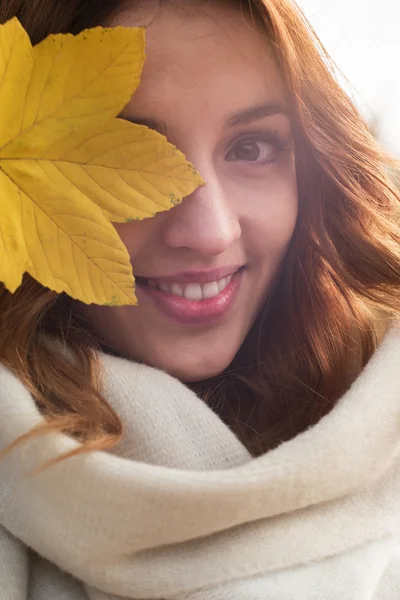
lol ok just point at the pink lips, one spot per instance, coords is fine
(188, 312)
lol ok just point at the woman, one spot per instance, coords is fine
(247, 410)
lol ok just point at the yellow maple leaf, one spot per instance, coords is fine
(69, 168)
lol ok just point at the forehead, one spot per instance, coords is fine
(202, 53)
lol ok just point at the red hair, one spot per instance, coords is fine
(336, 292)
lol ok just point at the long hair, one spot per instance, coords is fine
(337, 288)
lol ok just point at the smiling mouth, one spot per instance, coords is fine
(192, 291)
(193, 302)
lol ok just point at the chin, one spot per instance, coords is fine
(197, 369)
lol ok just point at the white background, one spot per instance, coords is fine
(363, 38)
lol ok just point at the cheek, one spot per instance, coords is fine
(136, 234)
(270, 216)
(268, 239)
(279, 221)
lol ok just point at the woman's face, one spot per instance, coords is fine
(212, 87)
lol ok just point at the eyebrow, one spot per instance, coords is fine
(255, 113)
(242, 117)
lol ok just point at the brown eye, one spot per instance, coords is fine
(257, 151)
(247, 151)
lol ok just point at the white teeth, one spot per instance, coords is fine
(164, 287)
(193, 292)
(176, 289)
(221, 284)
(210, 290)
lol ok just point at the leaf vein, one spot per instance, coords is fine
(60, 231)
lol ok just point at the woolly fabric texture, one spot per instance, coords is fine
(179, 510)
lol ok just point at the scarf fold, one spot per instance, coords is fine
(180, 505)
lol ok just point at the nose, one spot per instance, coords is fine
(205, 222)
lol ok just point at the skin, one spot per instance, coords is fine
(203, 66)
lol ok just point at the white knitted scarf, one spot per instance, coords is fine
(180, 510)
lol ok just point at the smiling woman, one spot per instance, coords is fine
(204, 269)
(253, 393)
